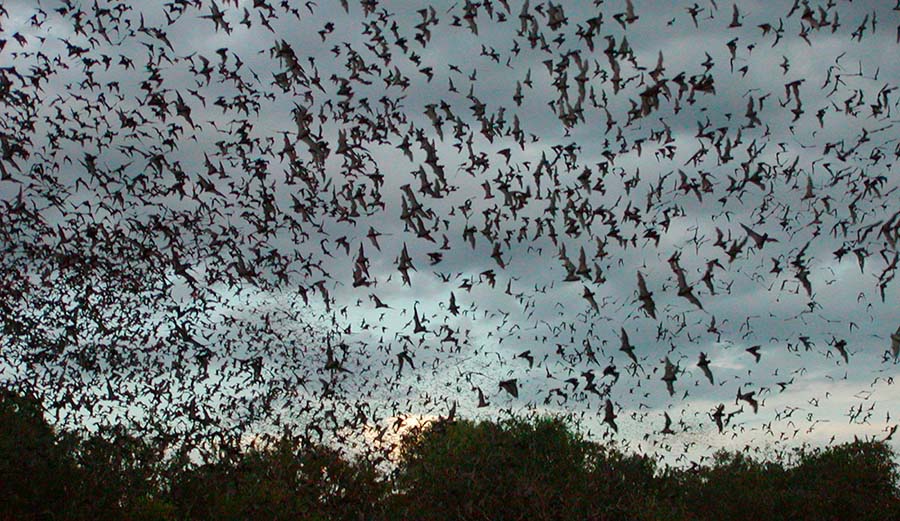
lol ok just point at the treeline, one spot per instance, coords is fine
(535, 470)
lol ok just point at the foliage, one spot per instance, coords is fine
(125, 468)
(510, 470)
(736, 486)
(856, 480)
(35, 469)
(286, 481)
(515, 469)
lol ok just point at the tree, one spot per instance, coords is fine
(857, 480)
(508, 470)
(284, 481)
(119, 477)
(736, 486)
(447, 470)
(37, 473)
(626, 486)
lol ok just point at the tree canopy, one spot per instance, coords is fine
(536, 468)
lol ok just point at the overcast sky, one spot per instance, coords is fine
(641, 144)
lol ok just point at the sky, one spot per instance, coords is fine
(228, 217)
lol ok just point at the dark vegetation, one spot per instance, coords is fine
(462, 470)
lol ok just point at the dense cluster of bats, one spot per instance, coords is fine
(221, 218)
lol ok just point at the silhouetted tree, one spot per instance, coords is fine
(285, 481)
(119, 475)
(856, 480)
(447, 470)
(509, 470)
(37, 473)
(736, 486)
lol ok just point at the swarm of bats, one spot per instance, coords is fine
(220, 217)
